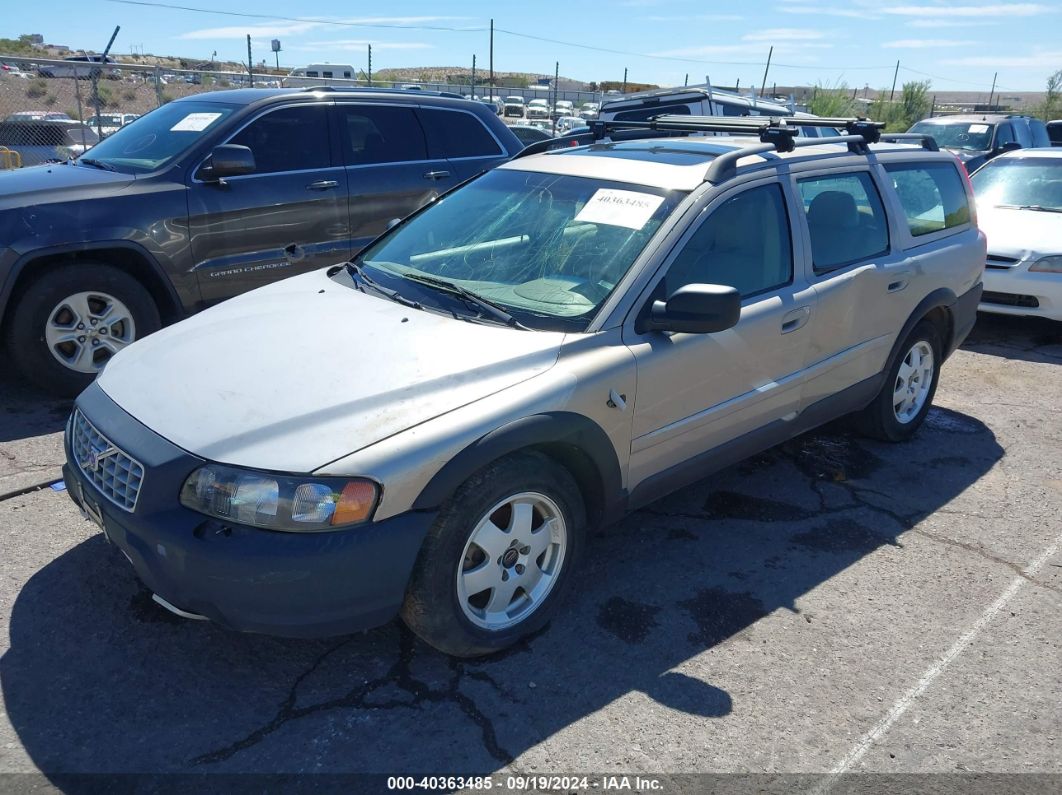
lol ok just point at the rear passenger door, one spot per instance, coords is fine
(463, 140)
(698, 391)
(860, 281)
(389, 171)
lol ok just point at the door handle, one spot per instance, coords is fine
(323, 184)
(795, 319)
(899, 281)
(437, 175)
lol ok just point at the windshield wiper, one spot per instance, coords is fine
(485, 306)
(91, 161)
(1037, 207)
(394, 295)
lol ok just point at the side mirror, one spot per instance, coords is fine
(1010, 146)
(228, 160)
(696, 309)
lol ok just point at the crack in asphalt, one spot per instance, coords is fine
(398, 675)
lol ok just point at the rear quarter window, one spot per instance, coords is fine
(932, 195)
(453, 134)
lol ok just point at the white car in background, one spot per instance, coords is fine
(108, 123)
(538, 109)
(514, 107)
(563, 107)
(1019, 208)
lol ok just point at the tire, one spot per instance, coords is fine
(888, 417)
(445, 604)
(43, 337)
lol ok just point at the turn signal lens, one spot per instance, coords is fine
(1048, 265)
(356, 502)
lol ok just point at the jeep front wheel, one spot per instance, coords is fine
(72, 319)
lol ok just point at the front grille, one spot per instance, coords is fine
(116, 474)
(999, 262)
(1010, 299)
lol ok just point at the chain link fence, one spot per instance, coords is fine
(51, 110)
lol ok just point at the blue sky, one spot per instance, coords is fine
(959, 44)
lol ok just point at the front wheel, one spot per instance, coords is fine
(498, 558)
(72, 319)
(907, 393)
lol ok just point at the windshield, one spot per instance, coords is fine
(161, 136)
(970, 136)
(549, 249)
(1021, 182)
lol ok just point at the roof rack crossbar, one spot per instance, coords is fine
(724, 166)
(927, 141)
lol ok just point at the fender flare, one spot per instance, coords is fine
(26, 259)
(562, 428)
(941, 298)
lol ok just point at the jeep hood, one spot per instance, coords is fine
(305, 371)
(35, 185)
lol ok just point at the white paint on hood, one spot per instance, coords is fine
(302, 372)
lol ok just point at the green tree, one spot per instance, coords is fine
(913, 104)
(1051, 107)
(827, 100)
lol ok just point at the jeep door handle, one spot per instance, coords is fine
(795, 319)
(437, 175)
(323, 184)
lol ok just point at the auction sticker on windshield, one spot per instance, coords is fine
(619, 208)
(195, 122)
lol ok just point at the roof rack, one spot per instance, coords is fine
(776, 134)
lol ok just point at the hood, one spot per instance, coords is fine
(1020, 233)
(54, 182)
(305, 371)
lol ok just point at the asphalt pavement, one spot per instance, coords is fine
(834, 606)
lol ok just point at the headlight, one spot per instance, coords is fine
(1048, 264)
(279, 502)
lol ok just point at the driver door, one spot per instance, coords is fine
(288, 217)
(699, 391)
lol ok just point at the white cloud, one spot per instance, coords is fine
(945, 23)
(785, 34)
(1000, 10)
(1035, 60)
(360, 45)
(850, 13)
(697, 18)
(748, 53)
(925, 44)
(286, 28)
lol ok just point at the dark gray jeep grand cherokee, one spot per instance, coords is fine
(210, 196)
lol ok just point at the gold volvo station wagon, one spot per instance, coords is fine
(430, 429)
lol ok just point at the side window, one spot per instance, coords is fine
(1004, 135)
(457, 134)
(380, 134)
(289, 139)
(744, 243)
(845, 218)
(932, 195)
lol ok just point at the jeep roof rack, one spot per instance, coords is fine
(776, 134)
(376, 90)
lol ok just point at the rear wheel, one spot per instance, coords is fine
(498, 558)
(907, 393)
(72, 319)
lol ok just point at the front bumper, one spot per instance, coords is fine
(244, 578)
(1017, 291)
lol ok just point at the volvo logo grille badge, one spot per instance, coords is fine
(92, 460)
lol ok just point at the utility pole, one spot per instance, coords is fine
(556, 87)
(895, 74)
(96, 80)
(250, 63)
(473, 91)
(993, 92)
(492, 57)
(737, 86)
(686, 82)
(763, 85)
(624, 79)
(370, 66)
(933, 107)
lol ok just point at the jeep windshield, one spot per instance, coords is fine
(546, 248)
(968, 136)
(158, 138)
